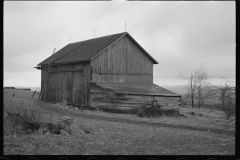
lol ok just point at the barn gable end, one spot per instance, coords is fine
(124, 61)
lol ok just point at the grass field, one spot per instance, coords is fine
(107, 137)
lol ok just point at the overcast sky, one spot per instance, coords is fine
(180, 35)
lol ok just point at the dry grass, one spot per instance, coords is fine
(115, 138)
(210, 118)
(109, 138)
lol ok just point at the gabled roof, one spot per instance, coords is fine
(87, 50)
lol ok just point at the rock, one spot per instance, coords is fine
(40, 130)
(63, 133)
(86, 131)
(47, 133)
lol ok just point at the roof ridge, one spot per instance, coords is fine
(98, 37)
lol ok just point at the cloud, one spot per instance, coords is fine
(179, 35)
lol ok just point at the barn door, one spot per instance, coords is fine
(74, 87)
(78, 97)
(65, 86)
(68, 86)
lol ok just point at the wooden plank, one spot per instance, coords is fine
(53, 88)
(74, 88)
(125, 56)
(150, 94)
(58, 88)
(78, 81)
(84, 85)
(64, 86)
(137, 100)
(112, 60)
(49, 90)
(69, 86)
(88, 73)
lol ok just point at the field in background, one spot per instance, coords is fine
(111, 137)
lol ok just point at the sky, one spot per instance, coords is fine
(180, 35)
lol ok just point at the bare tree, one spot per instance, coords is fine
(197, 81)
(201, 82)
(205, 93)
(226, 95)
(192, 89)
(223, 92)
(227, 99)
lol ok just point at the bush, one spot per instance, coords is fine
(149, 112)
(16, 124)
(13, 124)
(153, 111)
(86, 107)
(27, 122)
(229, 107)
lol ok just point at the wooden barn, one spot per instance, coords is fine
(110, 70)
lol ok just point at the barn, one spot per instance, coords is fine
(111, 70)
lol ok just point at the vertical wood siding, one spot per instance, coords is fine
(123, 57)
(108, 77)
(69, 86)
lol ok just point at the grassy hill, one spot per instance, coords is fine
(119, 136)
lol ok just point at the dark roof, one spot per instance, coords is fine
(85, 50)
(138, 88)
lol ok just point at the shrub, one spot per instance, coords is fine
(13, 124)
(149, 112)
(86, 107)
(229, 107)
(27, 122)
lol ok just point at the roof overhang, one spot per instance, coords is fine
(38, 67)
(62, 63)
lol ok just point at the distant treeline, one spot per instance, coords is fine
(17, 88)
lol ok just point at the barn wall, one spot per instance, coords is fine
(68, 83)
(43, 74)
(123, 57)
(107, 97)
(108, 77)
(139, 78)
(121, 78)
(125, 100)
